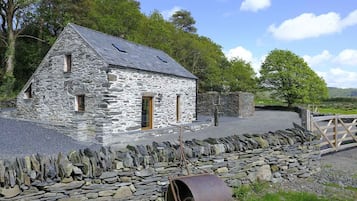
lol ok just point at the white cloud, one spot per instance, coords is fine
(316, 60)
(242, 53)
(309, 25)
(167, 14)
(337, 77)
(254, 5)
(350, 20)
(347, 57)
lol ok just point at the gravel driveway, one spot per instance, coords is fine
(263, 121)
(19, 138)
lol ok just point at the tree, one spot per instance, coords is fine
(155, 32)
(183, 20)
(15, 15)
(240, 76)
(54, 15)
(115, 17)
(289, 77)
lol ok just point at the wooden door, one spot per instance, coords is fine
(146, 113)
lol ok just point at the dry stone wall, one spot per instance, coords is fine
(237, 104)
(142, 172)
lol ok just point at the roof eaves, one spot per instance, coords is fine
(135, 68)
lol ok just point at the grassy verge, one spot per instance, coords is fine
(266, 192)
(329, 110)
(330, 106)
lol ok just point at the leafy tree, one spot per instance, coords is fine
(240, 76)
(15, 16)
(289, 77)
(155, 32)
(44, 20)
(54, 15)
(115, 17)
(183, 20)
(29, 54)
(317, 90)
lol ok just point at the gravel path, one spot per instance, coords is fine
(262, 121)
(19, 138)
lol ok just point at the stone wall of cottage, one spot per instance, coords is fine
(142, 172)
(113, 96)
(54, 91)
(238, 104)
(128, 86)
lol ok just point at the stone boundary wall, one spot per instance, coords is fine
(141, 172)
(237, 104)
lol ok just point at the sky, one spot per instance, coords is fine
(323, 32)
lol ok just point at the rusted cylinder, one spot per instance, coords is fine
(199, 188)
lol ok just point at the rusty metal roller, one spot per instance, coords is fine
(198, 188)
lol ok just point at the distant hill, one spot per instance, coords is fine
(339, 92)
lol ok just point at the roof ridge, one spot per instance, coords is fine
(73, 25)
(139, 56)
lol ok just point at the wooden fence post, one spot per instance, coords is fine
(335, 130)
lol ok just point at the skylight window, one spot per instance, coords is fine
(118, 48)
(161, 59)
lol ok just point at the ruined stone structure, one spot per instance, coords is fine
(101, 86)
(236, 104)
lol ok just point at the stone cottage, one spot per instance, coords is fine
(102, 86)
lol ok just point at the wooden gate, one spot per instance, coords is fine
(337, 132)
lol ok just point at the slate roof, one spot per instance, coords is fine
(119, 52)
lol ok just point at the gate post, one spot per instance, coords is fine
(335, 132)
(306, 119)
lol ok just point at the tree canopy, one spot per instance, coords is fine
(240, 76)
(290, 78)
(41, 22)
(183, 20)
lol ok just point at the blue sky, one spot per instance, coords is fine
(323, 32)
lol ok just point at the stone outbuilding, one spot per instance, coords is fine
(101, 86)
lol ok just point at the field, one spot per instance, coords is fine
(330, 106)
(338, 106)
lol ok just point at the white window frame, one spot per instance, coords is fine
(67, 68)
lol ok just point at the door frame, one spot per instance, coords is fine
(150, 110)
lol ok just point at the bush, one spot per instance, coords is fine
(7, 87)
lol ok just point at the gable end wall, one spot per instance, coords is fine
(54, 92)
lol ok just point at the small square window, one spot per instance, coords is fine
(28, 92)
(67, 63)
(80, 103)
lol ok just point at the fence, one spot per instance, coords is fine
(337, 132)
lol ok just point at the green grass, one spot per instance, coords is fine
(247, 193)
(330, 106)
(291, 196)
(269, 102)
(264, 192)
(337, 111)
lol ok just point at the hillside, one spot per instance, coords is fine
(339, 92)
